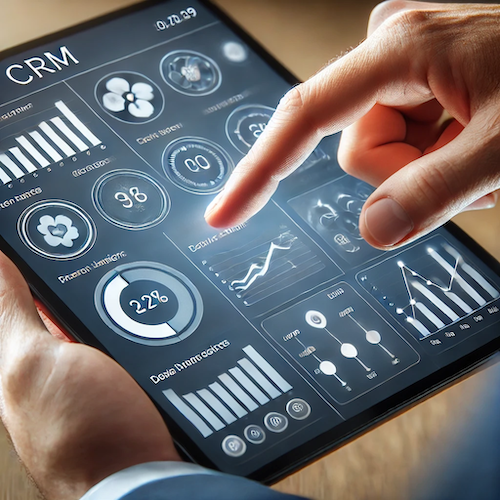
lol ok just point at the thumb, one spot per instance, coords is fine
(429, 191)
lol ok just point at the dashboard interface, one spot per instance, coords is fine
(255, 339)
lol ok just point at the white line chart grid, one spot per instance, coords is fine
(252, 383)
(262, 268)
(430, 287)
(49, 142)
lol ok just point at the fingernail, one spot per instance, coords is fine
(486, 202)
(387, 222)
(213, 205)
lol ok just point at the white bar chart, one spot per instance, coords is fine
(474, 289)
(436, 287)
(232, 396)
(52, 141)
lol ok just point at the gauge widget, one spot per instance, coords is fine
(130, 199)
(149, 303)
(197, 165)
(245, 125)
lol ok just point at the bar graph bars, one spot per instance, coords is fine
(237, 392)
(51, 142)
(434, 288)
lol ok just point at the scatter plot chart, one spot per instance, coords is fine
(433, 291)
(341, 342)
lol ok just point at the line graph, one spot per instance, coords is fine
(434, 289)
(263, 268)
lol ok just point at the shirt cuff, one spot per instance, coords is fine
(121, 483)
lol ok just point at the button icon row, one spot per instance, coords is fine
(276, 422)
(234, 446)
(298, 409)
(254, 434)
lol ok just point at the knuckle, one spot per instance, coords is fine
(410, 26)
(435, 189)
(299, 105)
(386, 9)
(292, 102)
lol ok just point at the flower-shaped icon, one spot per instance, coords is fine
(133, 98)
(58, 231)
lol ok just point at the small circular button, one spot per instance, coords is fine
(254, 434)
(57, 229)
(190, 73)
(130, 199)
(276, 422)
(234, 446)
(298, 409)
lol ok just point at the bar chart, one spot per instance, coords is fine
(50, 142)
(430, 288)
(249, 385)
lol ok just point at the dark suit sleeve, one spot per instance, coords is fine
(206, 487)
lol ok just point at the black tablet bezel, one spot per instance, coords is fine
(340, 434)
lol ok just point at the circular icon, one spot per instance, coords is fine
(316, 319)
(57, 229)
(276, 422)
(190, 73)
(298, 409)
(235, 52)
(254, 434)
(234, 446)
(130, 97)
(197, 165)
(245, 125)
(149, 303)
(130, 199)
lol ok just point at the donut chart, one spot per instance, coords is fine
(149, 303)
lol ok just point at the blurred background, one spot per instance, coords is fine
(392, 460)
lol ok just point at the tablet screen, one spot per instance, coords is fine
(254, 340)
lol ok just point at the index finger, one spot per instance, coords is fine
(334, 98)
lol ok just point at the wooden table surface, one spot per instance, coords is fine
(391, 460)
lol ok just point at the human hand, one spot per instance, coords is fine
(74, 415)
(421, 63)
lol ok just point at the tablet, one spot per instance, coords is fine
(263, 345)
